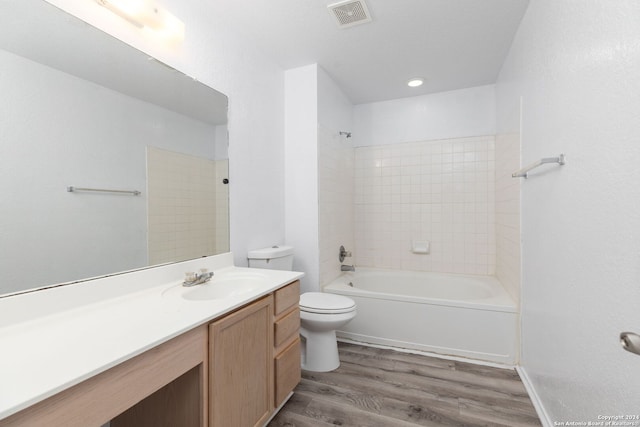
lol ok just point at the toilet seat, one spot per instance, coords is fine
(325, 303)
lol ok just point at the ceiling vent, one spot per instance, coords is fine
(349, 13)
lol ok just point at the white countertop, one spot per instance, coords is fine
(53, 339)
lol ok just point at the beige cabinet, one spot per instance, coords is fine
(233, 372)
(286, 328)
(162, 384)
(254, 359)
(287, 371)
(241, 366)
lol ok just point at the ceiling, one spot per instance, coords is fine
(453, 44)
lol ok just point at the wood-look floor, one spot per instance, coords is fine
(379, 387)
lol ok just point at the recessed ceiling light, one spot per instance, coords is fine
(415, 82)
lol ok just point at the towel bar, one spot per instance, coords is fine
(522, 173)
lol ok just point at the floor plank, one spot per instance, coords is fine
(381, 387)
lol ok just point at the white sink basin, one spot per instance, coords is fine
(226, 285)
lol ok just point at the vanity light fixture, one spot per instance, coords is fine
(415, 82)
(148, 16)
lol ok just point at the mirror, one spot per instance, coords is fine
(82, 109)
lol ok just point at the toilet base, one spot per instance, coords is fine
(319, 351)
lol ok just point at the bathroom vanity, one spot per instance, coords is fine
(139, 349)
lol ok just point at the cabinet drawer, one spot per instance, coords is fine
(287, 327)
(287, 371)
(287, 297)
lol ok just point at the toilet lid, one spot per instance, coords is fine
(321, 302)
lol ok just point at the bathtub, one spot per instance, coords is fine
(449, 314)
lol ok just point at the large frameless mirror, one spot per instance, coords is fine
(111, 161)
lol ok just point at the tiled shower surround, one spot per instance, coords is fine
(222, 206)
(441, 191)
(508, 213)
(182, 206)
(335, 196)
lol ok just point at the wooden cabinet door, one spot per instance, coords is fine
(241, 366)
(287, 371)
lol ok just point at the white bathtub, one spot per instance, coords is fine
(468, 316)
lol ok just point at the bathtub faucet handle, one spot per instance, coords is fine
(343, 254)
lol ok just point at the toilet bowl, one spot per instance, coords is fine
(320, 315)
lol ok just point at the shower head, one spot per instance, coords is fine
(347, 134)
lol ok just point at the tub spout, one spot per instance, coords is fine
(347, 268)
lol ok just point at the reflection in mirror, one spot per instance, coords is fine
(80, 108)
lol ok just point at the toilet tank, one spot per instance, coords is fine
(273, 258)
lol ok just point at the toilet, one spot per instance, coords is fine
(321, 314)
(273, 258)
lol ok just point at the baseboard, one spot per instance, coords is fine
(426, 353)
(277, 410)
(535, 399)
(499, 359)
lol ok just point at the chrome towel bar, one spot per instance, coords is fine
(522, 173)
(72, 189)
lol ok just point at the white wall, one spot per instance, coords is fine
(335, 176)
(335, 110)
(219, 55)
(319, 172)
(454, 114)
(301, 171)
(576, 65)
(222, 142)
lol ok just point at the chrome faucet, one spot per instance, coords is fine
(191, 278)
(347, 268)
